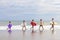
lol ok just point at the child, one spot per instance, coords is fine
(52, 24)
(9, 25)
(24, 25)
(33, 24)
(41, 24)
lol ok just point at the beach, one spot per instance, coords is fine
(40, 18)
(29, 35)
(17, 34)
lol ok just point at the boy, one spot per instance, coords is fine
(41, 24)
(52, 24)
(33, 24)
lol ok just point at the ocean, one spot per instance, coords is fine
(5, 23)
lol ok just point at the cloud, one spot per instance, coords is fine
(15, 2)
(49, 6)
(30, 6)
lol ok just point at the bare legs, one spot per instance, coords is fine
(52, 27)
(32, 28)
(40, 27)
(23, 28)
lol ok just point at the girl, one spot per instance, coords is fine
(24, 25)
(52, 23)
(9, 25)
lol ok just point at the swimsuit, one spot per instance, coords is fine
(10, 25)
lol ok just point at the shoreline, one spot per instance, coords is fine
(19, 27)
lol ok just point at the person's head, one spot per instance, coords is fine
(52, 18)
(32, 19)
(9, 21)
(40, 19)
(23, 20)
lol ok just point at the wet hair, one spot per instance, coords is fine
(40, 19)
(9, 21)
(23, 20)
(52, 18)
(32, 19)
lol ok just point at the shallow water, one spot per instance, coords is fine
(5, 23)
(29, 35)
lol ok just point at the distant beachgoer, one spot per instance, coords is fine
(33, 23)
(9, 25)
(24, 25)
(41, 24)
(52, 23)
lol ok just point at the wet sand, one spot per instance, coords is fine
(29, 35)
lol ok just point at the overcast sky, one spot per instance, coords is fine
(29, 9)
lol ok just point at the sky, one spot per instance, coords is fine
(29, 9)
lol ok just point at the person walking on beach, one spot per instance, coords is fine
(41, 24)
(9, 25)
(33, 23)
(24, 25)
(52, 23)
